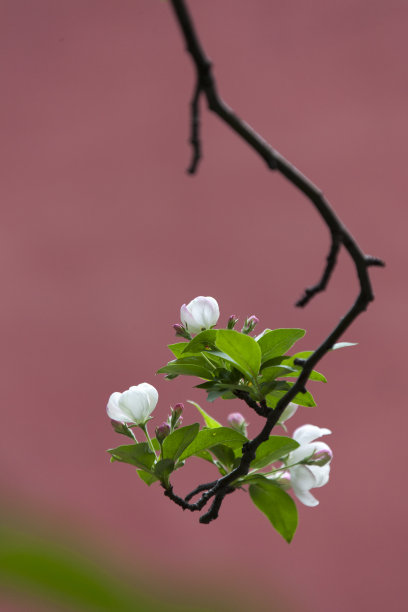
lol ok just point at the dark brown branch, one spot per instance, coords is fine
(212, 513)
(202, 487)
(195, 129)
(261, 408)
(340, 237)
(330, 265)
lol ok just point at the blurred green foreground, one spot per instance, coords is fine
(43, 570)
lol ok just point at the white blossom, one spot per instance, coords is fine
(134, 405)
(314, 470)
(201, 313)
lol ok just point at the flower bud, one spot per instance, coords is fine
(321, 457)
(122, 428)
(232, 321)
(177, 410)
(237, 422)
(162, 431)
(181, 331)
(176, 418)
(249, 324)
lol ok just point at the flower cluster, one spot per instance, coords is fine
(231, 364)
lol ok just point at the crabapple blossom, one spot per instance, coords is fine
(310, 463)
(134, 405)
(201, 313)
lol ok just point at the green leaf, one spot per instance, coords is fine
(302, 399)
(147, 477)
(139, 455)
(177, 348)
(207, 438)
(201, 342)
(275, 371)
(178, 441)
(208, 420)
(278, 341)
(290, 361)
(204, 454)
(188, 366)
(342, 345)
(241, 349)
(163, 469)
(225, 454)
(215, 394)
(277, 506)
(272, 450)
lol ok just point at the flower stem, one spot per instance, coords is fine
(146, 433)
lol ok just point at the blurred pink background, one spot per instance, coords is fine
(104, 236)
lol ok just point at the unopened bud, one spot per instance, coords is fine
(162, 431)
(181, 331)
(122, 428)
(232, 321)
(177, 410)
(176, 418)
(321, 457)
(249, 324)
(237, 422)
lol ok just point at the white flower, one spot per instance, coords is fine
(316, 469)
(201, 313)
(134, 405)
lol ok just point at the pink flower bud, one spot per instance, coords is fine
(177, 410)
(253, 320)
(181, 331)
(237, 422)
(249, 324)
(232, 321)
(162, 431)
(176, 418)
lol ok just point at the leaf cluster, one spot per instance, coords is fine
(229, 362)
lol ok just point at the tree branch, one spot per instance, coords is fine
(330, 265)
(340, 236)
(195, 129)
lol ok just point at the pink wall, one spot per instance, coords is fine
(104, 236)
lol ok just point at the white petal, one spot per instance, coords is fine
(135, 404)
(321, 474)
(151, 393)
(188, 320)
(302, 480)
(113, 409)
(308, 433)
(306, 497)
(302, 477)
(205, 311)
(306, 451)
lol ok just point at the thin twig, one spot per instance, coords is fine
(330, 265)
(340, 237)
